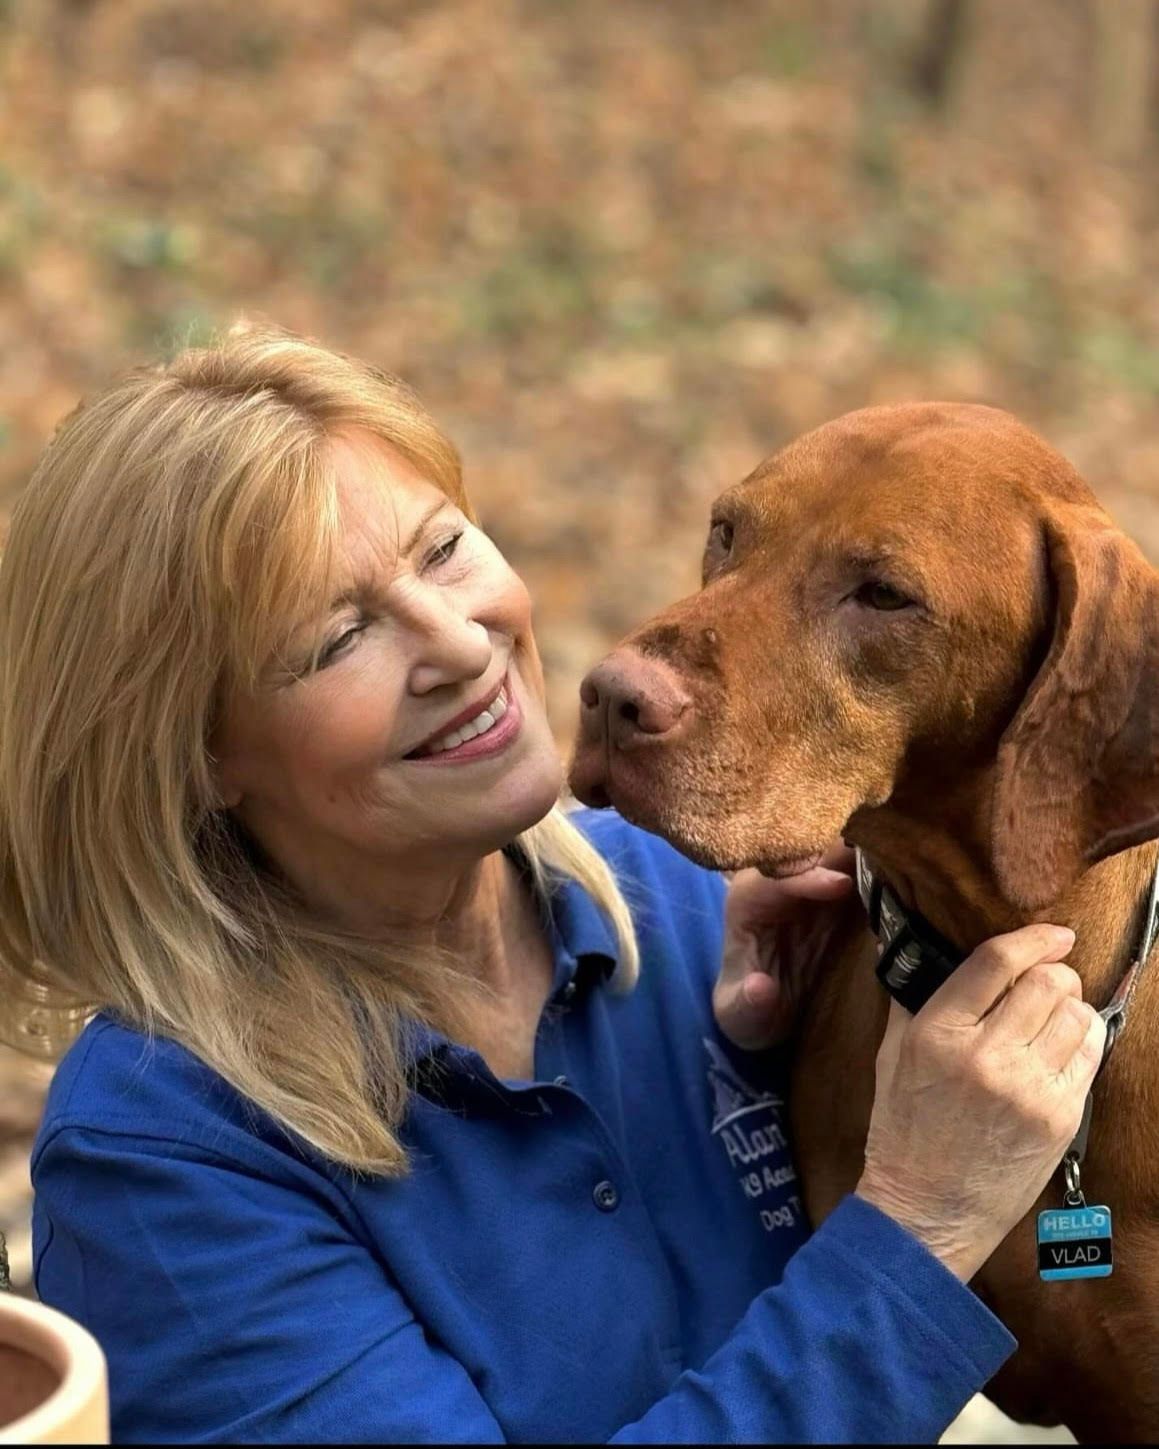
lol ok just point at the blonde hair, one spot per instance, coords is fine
(172, 524)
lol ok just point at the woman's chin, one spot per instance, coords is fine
(521, 798)
(534, 793)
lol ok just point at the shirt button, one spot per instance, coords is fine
(605, 1196)
(560, 1082)
(568, 992)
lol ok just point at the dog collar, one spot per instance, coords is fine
(915, 958)
(1115, 1011)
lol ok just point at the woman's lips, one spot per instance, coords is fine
(497, 738)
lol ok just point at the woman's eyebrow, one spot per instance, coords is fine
(417, 532)
(359, 591)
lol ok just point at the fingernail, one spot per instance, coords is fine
(1064, 936)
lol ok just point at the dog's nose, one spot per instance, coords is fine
(634, 698)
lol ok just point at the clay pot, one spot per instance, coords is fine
(53, 1382)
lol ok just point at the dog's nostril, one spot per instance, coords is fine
(630, 712)
(589, 694)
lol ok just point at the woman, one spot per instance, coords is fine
(397, 1122)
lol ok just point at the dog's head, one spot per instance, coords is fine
(903, 601)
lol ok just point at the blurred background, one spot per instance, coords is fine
(623, 249)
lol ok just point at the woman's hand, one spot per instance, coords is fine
(776, 932)
(979, 1095)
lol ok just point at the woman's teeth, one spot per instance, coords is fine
(482, 722)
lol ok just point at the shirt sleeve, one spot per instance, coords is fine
(867, 1339)
(238, 1308)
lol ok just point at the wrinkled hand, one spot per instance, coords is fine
(775, 937)
(979, 1095)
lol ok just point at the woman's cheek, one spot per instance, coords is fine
(350, 718)
(527, 652)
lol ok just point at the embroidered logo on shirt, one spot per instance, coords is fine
(748, 1124)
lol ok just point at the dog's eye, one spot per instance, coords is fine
(719, 544)
(717, 549)
(876, 595)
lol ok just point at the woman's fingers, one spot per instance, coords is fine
(756, 901)
(818, 883)
(1063, 1032)
(839, 856)
(765, 950)
(1026, 1008)
(989, 972)
(752, 1011)
(1079, 1073)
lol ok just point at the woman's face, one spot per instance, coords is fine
(420, 742)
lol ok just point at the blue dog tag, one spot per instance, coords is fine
(1074, 1242)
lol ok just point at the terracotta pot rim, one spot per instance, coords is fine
(70, 1350)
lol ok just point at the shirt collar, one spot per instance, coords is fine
(580, 933)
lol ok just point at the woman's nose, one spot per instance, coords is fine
(449, 650)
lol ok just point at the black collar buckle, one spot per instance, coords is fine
(915, 957)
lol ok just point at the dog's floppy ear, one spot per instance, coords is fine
(1078, 767)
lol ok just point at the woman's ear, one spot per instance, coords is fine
(227, 788)
(230, 798)
(1078, 767)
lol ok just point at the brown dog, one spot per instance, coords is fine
(919, 629)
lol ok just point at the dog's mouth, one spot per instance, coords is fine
(706, 830)
(674, 799)
(637, 784)
(600, 780)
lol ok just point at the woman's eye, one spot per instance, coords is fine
(444, 551)
(339, 645)
(876, 595)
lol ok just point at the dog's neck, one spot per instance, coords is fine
(936, 857)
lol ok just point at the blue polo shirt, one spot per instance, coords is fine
(614, 1251)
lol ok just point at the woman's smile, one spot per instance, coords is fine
(481, 730)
